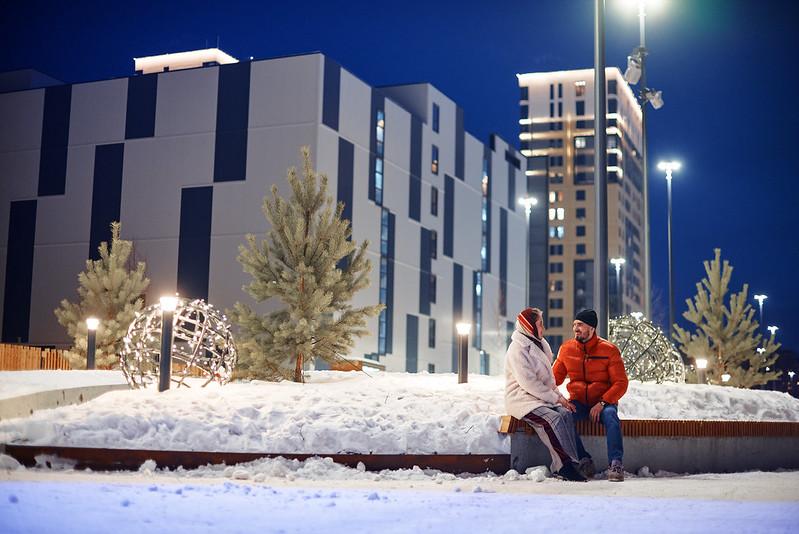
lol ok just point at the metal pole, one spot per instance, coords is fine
(165, 363)
(671, 280)
(645, 164)
(618, 290)
(91, 348)
(463, 358)
(527, 262)
(600, 173)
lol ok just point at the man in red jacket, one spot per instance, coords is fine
(597, 380)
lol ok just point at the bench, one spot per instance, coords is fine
(680, 446)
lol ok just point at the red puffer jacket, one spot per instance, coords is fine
(595, 370)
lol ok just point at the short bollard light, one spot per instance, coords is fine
(463, 351)
(168, 305)
(91, 341)
(701, 365)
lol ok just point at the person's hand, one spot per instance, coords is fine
(596, 410)
(563, 401)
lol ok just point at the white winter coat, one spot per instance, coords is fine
(529, 382)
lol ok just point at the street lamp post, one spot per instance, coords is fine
(669, 167)
(463, 351)
(600, 173)
(168, 305)
(701, 365)
(760, 298)
(528, 203)
(91, 341)
(617, 263)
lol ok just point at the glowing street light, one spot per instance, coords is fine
(168, 306)
(91, 341)
(528, 203)
(669, 167)
(463, 351)
(760, 298)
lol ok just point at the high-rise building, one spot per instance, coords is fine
(183, 152)
(556, 131)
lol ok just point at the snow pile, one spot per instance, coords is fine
(18, 383)
(337, 412)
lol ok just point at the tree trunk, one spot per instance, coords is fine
(298, 377)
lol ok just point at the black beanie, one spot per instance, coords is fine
(588, 317)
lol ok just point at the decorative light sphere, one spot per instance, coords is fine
(647, 353)
(202, 345)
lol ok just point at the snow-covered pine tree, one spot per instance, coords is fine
(310, 265)
(726, 336)
(110, 290)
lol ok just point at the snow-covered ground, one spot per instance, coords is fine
(382, 413)
(338, 412)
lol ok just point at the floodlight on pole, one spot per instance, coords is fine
(528, 203)
(463, 330)
(91, 341)
(760, 298)
(669, 167)
(168, 306)
(773, 329)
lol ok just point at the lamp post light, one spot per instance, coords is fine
(760, 298)
(91, 341)
(528, 203)
(669, 167)
(701, 365)
(168, 305)
(790, 381)
(773, 329)
(600, 173)
(617, 263)
(725, 377)
(463, 351)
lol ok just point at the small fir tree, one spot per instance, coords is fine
(111, 291)
(726, 336)
(311, 266)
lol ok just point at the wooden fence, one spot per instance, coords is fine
(25, 358)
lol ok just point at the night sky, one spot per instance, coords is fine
(727, 69)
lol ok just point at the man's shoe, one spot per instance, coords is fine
(586, 468)
(569, 472)
(616, 471)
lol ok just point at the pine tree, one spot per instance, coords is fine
(311, 266)
(726, 336)
(111, 291)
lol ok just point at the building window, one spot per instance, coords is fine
(555, 196)
(435, 117)
(560, 109)
(556, 267)
(433, 244)
(555, 304)
(613, 141)
(580, 213)
(579, 142)
(580, 248)
(613, 105)
(525, 93)
(555, 322)
(433, 285)
(556, 285)
(555, 250)
(434, 160)
(483, 362)
(434, 201)
(556, 232)
(560, 90)
(579, 88)
(580, 231)
(431, 368)
(524, 112)
(431, 333)
(580, 107)
(579, 194)
(561, 214)
(556, 161)
(551, 109)
(477, 311)
(612, 87)
(551, 92)
(485, 206)
(380, 136)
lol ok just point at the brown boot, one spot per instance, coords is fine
(616, 471)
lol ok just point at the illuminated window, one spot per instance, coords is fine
(579, 88)
(561, 214)
(434, 160)
(552, 214)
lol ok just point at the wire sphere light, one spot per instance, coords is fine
(202, 345)
(647, 353)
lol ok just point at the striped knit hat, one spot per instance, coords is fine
(525, 322)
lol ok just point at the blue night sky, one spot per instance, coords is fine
(727, 68)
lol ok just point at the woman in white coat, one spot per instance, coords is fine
(532, 396)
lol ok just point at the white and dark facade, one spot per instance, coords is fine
(557, 136)
(183, 159)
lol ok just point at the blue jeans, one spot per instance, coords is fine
(610, 420)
